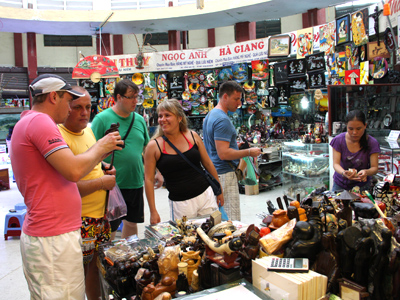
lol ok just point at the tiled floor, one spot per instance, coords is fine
(12, 281)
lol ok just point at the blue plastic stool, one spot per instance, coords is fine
(120, 226)
(20, 206)
(13, 223)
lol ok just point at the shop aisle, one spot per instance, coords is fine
(12, 281)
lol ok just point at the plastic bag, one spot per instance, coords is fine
(224, 215)
(250, 178)
(116, 207)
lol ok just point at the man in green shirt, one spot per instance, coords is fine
(128, 162)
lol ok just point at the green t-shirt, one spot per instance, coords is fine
(128, 162)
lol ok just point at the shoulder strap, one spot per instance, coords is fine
(130, 126)
(158, 146)
(231, 164)
(194, 140)
(183, 156)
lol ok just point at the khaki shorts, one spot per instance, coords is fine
(53, 266)
(203, 204)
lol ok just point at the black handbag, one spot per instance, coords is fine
(214, 183)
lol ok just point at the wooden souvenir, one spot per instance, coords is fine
(225, 254)
(283, 93)
(280, 72)
(296, 67)
(375, 50)
(316, 80)
(298, 84)
(315, 62)
(175, 80)
(279, 218)
(352, 291)
(389, 40)
(192, 258)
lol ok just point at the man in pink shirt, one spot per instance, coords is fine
(46, 172)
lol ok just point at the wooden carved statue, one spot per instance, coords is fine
(380, 264)
(327, 263)
(168, 262)
(365, 249)
(192, 258)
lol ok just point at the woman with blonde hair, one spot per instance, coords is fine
(190, 194)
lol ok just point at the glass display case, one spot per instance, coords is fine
(388, 159)
(305, 167)
(379, 102)
(270, 165)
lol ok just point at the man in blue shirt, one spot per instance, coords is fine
(220, 142)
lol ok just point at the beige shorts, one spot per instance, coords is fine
(53, 266)
(203, 204)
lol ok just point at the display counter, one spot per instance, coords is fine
(305, 167)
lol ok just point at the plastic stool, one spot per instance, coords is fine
(20, 206)
(13, 223)
(120, 226)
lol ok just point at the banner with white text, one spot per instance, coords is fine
(207, 58)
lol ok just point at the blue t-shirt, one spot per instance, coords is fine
(348, 160)
(218, 126)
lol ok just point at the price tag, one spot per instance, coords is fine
(392, 139)
(394, 135)
(393, 144)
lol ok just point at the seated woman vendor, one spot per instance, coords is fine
(355, 154)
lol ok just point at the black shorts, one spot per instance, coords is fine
(135, 204)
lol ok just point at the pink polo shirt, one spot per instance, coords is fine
(53, 203)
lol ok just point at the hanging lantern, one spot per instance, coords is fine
(386, 9)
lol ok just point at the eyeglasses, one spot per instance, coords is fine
(130, 97)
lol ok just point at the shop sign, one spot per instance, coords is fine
(127, 64)
(207, 58)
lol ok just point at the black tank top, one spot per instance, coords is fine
(182, 181)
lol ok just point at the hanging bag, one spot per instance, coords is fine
(239, 170)
(113, 205)
(214, 183)
(116, 207)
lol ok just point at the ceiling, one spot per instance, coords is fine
(186, 17)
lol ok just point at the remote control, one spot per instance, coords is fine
(288, 265)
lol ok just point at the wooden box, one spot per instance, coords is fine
(251, 189)
(5, 180)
